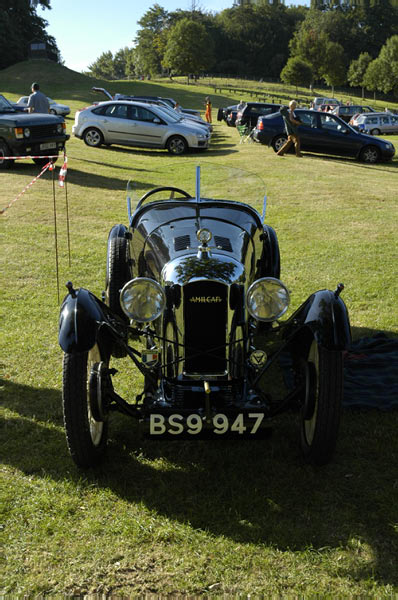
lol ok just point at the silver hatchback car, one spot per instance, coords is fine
(377, 123)
(138, 124)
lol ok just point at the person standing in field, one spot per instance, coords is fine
(38, 102)
(208, 110)
(291, 127)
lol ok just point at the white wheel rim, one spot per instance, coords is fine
(96, 427)
(310, 424)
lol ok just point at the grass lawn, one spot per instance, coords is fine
(190, 518)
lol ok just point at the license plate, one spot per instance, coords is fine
(48, 146)
(194, 424)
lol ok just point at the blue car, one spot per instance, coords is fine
(326, 134)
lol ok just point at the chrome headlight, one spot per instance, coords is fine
(142, 299)
(26, 132)
(267, 299)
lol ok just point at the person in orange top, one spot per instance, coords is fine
(208, 110)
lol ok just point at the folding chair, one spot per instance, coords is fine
(245, 133)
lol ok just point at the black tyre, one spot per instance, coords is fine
(220, 114)
(176, 145)
(4, 151)
(93, 137)
(170, 348)
(85, 436)
(278, 142)
(53, 112)
(375, 132)
(370, 155)
(320, 413)
(117, 274)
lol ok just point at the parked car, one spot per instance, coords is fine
(377, 123)
(138, 124)
(252, 111)
(189, 282)
(223, 113)
(319, 100)
(324, 133)
(346, 112)
(25, 134)
(55, 108)
(169, 101)
(231, 118)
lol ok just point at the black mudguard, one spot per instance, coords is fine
(81, 316)
(326, 316)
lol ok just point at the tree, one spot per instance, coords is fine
(103, 66)
(357, 70)
(334, 70)
(150, 41)
(373, 79)
(189, 48)
(297, 72)
(19, 25)
(388, 58)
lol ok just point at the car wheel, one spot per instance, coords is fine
(375, 132)
(220, 114)
(278, 142)
(86, 437)
(41, 162)
(4, 151)
(93, 137)
(370, 154)
(53, 112)
(117, 274)
(177, 145)
(320, 413)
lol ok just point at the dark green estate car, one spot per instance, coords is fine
(29, 134)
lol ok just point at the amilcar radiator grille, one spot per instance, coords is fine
(205, 322)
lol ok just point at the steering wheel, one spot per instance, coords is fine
(167, 188)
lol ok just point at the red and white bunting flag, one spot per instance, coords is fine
(62, 173)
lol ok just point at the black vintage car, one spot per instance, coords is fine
(29, 134)
(193, 296)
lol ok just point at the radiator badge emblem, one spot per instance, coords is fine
(206, 299)
(258, 358)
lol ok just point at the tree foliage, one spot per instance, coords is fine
(297, 72)
(19, 26)
(189, 48)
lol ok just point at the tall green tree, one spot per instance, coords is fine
(103, 67)
(150, 41)
(297, 72)
(189, 48)
(334, 70)
(20, 25)
(357, 70)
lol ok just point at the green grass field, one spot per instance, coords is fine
(190, 518)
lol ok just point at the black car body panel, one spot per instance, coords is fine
(38, 134)
(323, 133)
(191, 264)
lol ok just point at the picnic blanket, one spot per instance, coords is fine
(371, 373)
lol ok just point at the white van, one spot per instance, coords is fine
(316, 103)
(377, 123)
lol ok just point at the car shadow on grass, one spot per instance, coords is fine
(387, 167)
(254, 492)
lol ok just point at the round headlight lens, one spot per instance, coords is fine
(26, 132)
(142, 299)
(60, 128)
(267, 299)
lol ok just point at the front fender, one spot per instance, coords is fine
(80, 317)
(326, 316)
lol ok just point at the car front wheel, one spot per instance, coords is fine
(117, 274)
(375, 132)
(93, 137)
(370, 154)
(53, 112)
(4, 151)
(177, 145)
(278, 142)
(85, 435)
(320, 413)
